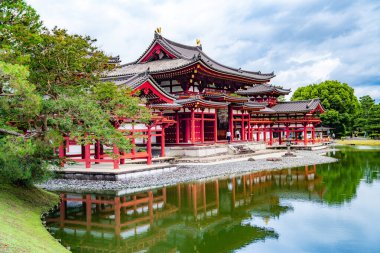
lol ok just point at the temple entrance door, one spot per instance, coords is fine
(198, 131)
(184, 131)
(222, 116)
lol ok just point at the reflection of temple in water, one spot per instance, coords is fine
(194, 217)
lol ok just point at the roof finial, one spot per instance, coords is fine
(158, 30)
(199, 44)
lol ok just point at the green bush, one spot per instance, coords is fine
(23, 161)
(375, 136)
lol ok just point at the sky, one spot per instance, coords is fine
(302, 41)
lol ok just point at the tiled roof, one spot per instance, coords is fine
(267, 110)
(263, 89)
(259, 103)
(186, 55)
(296, 106)
(166, 106)
(197, 99)
(135, 81)
(152, 67)
(225, 97)
(248, 105)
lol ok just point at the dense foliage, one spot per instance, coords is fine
(368, 120)
(50, 87)
(344, 112)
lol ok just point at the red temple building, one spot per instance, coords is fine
(195, 100)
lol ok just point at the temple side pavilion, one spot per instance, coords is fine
(195, 100)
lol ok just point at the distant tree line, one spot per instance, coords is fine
(345, 113)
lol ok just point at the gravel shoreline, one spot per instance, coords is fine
(187, 173)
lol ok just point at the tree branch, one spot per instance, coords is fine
(5, 131)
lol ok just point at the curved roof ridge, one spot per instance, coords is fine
(278, 87)
(178, 44)
(168, 47)
(146, 50)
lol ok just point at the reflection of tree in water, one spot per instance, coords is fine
(224, 237)
(342, 179)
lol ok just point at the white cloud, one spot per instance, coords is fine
(316, 70)
(373, 91)
(302, 41)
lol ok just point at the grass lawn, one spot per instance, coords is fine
(21, 229)
(360, 142)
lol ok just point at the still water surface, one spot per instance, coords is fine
(323, 208)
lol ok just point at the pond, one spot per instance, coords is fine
(318, 208)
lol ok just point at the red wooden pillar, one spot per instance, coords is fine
(216, 125)
(313, 134)
(192, 126)
(83, 151)
(287, 131)
(242, 128)
(265, 133)
(67, 143)
(258, 133)
(97, 151)
(116, 159)
(249, 127)
(231, 121)
(177, 127)
(149, 146)
(271, 135)
(305, 134)
(133, 142)
(279, 136)
(187, 137)
(162, 141)
(61, 154)
(87, 156)
(101, 150)
(202, 126)
(122, 160)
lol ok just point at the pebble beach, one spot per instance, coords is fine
(188, 173)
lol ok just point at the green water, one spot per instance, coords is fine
(324, 208)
